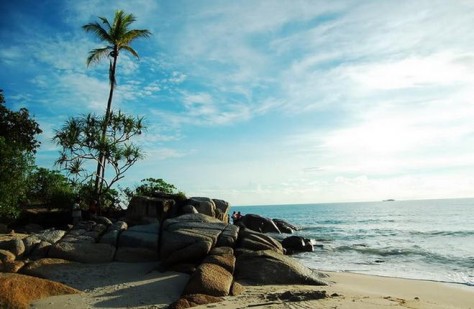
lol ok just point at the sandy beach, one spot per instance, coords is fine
(140, 285)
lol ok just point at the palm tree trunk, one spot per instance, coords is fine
(99, 180)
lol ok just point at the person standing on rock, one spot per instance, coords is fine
(76, 211)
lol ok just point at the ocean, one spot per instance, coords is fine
(423, 239)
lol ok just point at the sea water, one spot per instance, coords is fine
(424, 239)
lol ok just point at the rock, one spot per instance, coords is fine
(83, 252)
(294, 244)
(189, 209)
(284, 226)
(259, 224)
(18, 291)
(51, 235)
(189, 238)
(40, 251)
(209, 279)
(188, 301)
(229, 236)
(269, 267)
(222, 208)
(46, 268)
(135, 255)
(111, 238)
(148, 209)
(30, 243)
(236, 289)
(6, 256)
(224, 260)
(14, 245)
(249, 239)
(102, 220)
(203, 205)
(113, 233)
(12, 266)
(153, 228)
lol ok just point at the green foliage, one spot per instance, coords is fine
(18, 128)
(18, 145)
(81, 143)
(15, 166)
(152, 185)
(51, 188)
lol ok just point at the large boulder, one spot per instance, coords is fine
(189, 238)
(30, 243)
(138, 244)
(40, 250)
(47, 268)
(112, 234)
(145, 209)
(270, 267)
(14, 245)
(82, 252)
(294, 244)
(203, 205)
(209, 279)
(284, 226)
(222, 210)
(51, 235)
(259, 224)
(252, 240)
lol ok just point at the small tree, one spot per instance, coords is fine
(150, 186)
(82, 143)
(18, 145)
(50, 188)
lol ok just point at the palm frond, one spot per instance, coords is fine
(135, 34)
(100, 32)
(130, 50)
(97, 54)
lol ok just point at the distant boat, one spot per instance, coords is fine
(389, 200)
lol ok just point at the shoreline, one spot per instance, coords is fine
(139, 285)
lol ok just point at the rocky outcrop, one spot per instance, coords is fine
(269, 267)
(138, 244)
(14, 245)
(80, 244)
(203, 205)
(284, 226)
(251, 240)
(258, 224)
(189, 238)
(144, 209)
(295, 244)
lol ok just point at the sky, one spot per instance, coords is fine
(265, 102)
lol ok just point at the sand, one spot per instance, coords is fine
(139, 285)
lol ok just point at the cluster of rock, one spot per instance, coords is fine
(192, 236)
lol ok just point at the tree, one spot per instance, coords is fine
(18, 146)
(149, 187)
(81, 142)
(118, 37)
(49, 187)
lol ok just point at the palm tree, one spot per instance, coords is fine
(118, 37)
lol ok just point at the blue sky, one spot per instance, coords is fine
(265, 102)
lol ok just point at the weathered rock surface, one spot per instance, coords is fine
(40, 250)
(203, 205)
(189, 238)
(284, 226)
(252, 240)
(269, 267)
(82, 252)
(51, 235)
(222, 210)
(209, 279)
(47, 268)
(6, 256)
(144, 209)
(14, 245)
(259, 224)
(30, 243)
(138, 244)
(294, 244)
